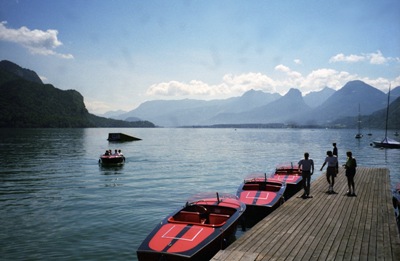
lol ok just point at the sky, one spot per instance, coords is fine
(120, 54)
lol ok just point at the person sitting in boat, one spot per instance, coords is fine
(120, 153)
(116, 152)
(107, 153)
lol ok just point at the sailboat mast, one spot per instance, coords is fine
(359, 119)
(387, 112)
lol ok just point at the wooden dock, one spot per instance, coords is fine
(327, 226)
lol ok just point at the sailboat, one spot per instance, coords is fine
(359, 135)
(387, 142)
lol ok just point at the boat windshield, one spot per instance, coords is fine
(210, 195)
(289, 165)
(256, 176)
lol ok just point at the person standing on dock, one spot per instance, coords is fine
(306, 166)
(335, 150)
(335, 153)
(350, 166)
(331, 170)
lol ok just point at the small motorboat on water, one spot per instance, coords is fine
(112, 159)
(289, 173)
(197, 231)
(261, 195)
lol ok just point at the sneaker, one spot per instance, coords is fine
(353, 194)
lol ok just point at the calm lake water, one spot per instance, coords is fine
(57, 203)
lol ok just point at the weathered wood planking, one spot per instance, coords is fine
(327, 226)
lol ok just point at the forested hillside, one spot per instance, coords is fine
(25, 102)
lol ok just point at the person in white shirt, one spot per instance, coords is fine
(331, 171)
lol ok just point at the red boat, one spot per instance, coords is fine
(206, 224)
(289, 173)
(261, 195)
(112, 159)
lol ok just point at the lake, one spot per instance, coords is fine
(58, 203)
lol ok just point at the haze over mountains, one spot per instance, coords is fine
(324, 108)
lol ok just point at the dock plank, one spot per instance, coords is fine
(327, 226)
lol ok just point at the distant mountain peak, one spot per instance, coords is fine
(293, 92)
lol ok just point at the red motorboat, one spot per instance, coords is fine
(112, 160)
(289, 173)
(206, 224)
(261, 195)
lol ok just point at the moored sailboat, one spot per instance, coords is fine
(387, 142)
(359, 134)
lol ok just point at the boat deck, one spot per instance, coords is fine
(327, 226)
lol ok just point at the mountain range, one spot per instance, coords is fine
(25, 101)
(324, 108)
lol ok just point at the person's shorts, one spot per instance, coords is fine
(331, 171)
(350, 174)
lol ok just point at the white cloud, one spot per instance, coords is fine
(230, 85)
(350, 58)
(377, 58)
(297, 61)
(236, 85)
(282, 68)
(36, 41)
(175, 88)
(372, 58)
(244, 82)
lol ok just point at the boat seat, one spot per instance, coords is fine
(217, 219)
(187, 216)
(251, 187)
(272, 188)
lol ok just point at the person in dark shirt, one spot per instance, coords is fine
(306, 166)
(335, 153)
(350, 166)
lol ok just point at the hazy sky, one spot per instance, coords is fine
(119, 54)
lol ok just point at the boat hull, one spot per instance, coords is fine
(195, 232)
(291, 176)
(387, 143)
(175, 242)
(261, 196)
(112, 160)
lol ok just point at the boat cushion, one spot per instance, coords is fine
(188, 217)
(250, 186)
(217, 219)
